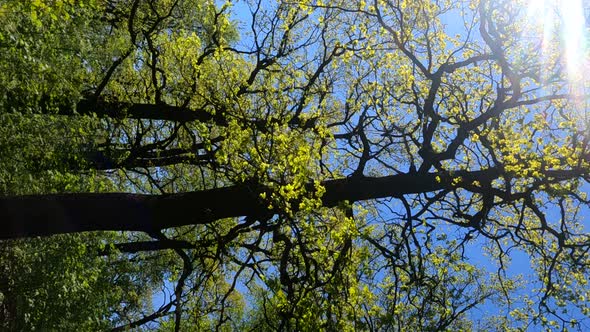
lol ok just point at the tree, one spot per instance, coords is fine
(295, 165)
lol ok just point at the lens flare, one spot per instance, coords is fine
(562, 28)
(573, 35)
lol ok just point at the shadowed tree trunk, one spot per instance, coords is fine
(43, 215)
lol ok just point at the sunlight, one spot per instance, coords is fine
(562, 21)
(573, 34)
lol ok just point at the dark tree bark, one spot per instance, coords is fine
(44, 215)
(142, 111)
(163, 112)
(134, 247)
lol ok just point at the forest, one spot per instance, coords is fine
(294, 165)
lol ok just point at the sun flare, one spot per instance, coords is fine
(562, 28)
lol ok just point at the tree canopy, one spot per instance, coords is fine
(293, 165)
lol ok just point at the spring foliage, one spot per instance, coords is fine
(299, 105)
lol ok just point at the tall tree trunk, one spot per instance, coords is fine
(43, 215)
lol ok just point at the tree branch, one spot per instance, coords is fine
(134, 247)
(44, 215)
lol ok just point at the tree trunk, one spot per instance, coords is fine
(43, 215)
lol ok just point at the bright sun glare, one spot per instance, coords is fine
(564, 20)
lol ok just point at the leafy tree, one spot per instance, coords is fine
(291, 165)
